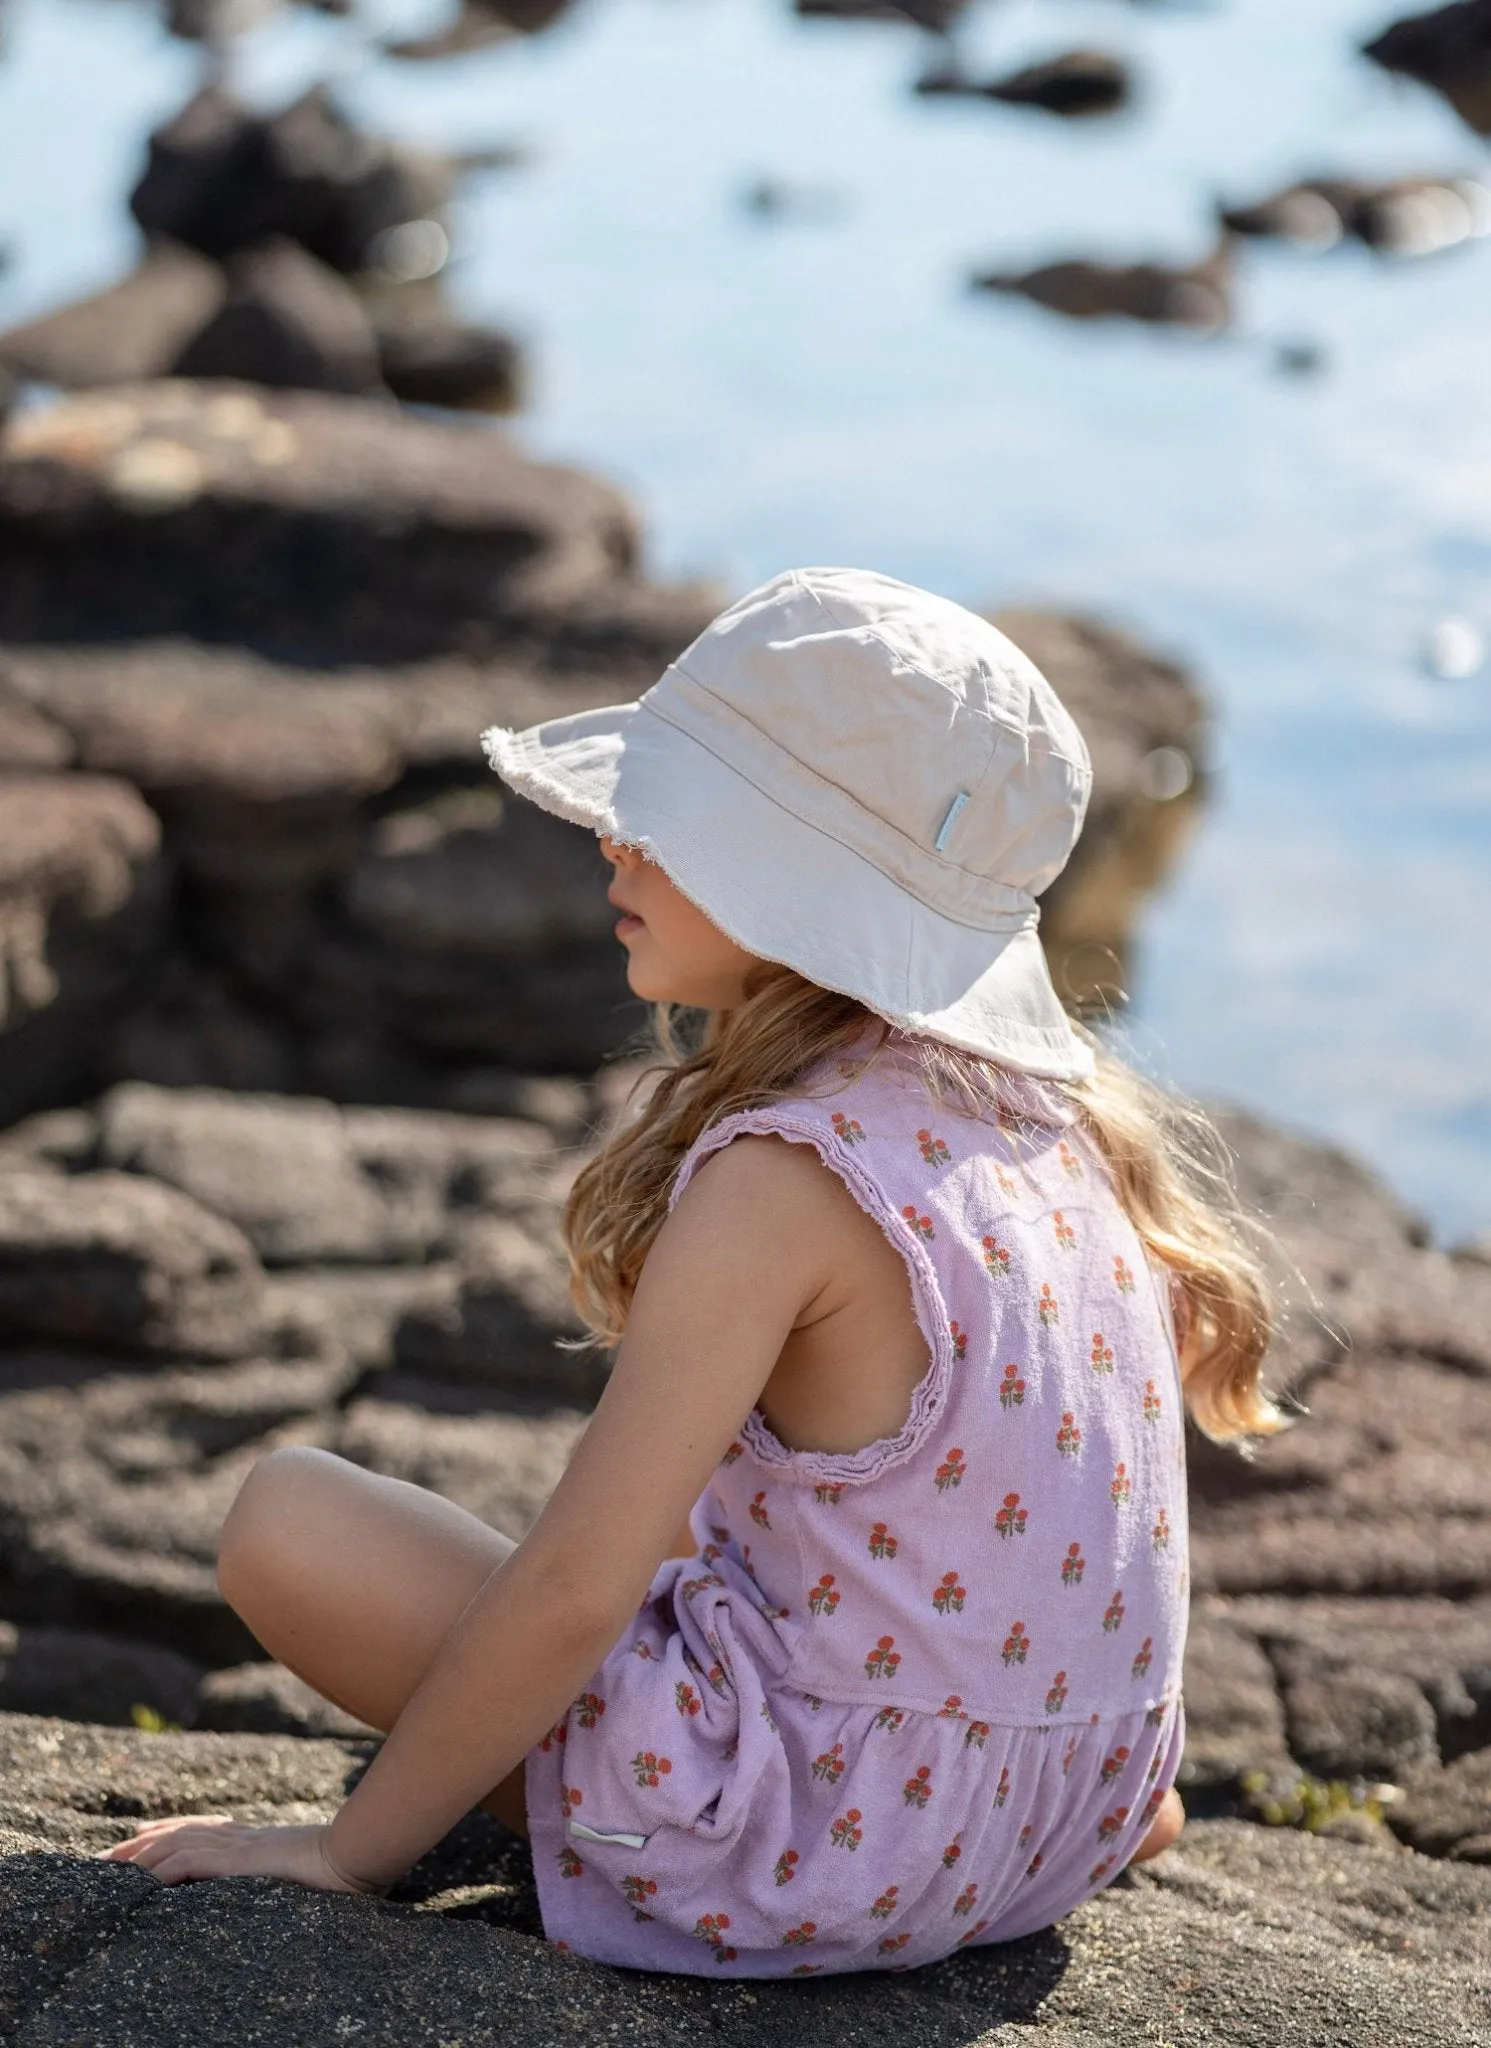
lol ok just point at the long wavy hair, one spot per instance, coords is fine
(1168, 1167)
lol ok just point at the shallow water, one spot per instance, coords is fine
(823, 388)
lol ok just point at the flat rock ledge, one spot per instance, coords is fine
(1247, 1936)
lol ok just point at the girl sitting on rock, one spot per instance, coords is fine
(895, 1259)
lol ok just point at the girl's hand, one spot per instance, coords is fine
(211, 1845)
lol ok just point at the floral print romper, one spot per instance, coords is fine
(924, 1694)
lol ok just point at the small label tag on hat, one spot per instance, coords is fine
(949, 821)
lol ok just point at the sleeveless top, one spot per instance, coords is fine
(923, 1694)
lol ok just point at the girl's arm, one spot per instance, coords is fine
(730, 1273)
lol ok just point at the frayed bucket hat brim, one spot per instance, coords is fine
(790, 892)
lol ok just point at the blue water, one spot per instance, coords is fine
(824, 388)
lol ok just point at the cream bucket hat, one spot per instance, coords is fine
(855, 778)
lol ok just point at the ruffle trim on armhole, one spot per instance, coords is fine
(930, 1393)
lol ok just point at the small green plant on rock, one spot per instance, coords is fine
(1310, 1803)
(152, 1721)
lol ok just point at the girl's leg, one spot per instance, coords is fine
(353, 1581)
(1168, 1823)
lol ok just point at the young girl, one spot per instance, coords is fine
(895, 1262)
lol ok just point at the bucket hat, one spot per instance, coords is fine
(858, 779)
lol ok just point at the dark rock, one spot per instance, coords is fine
(30, 742)
(287, 321)
(1449, 49)
(124, 334)
(476, 25)
(936, 15)
(1234, 1715)
(86, 1677)
(62, 1140)
(500, 1466)
(1401, 217)
(114, 1485)
(1145, 721)
(223, 179)
(337, 522)
(307, 1182)
(1448, 1813)
(476, 368)
(1186, 295)
(1240, 1935)
(1074, 85)
(1350, 1719)
(266, 1699)
(107, 1258)
(83, 914)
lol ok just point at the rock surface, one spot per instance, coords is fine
(1247, 1936)
(1183, 295)
(1449, 49)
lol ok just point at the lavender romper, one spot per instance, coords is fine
(924, 1694)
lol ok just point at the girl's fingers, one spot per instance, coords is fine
(152, 1830)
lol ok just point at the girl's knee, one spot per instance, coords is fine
(267, 1523)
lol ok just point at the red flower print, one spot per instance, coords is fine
(952, 1708)
(950, 1472)
(1056, 1696)
(1068, 1755)
(922, 1225)
(1010, 1519)
(640, 1648)
(648, 1769)
(1159, 1535)
(1066, 1237)
(1156, 1765)
(1048, 1308)
(973, 1933)
(1152, 1806)
(1011, 1388)
(569, 1863)
(1123, 1276)
(560, 1729)
(1025, 1834)
(883, 1659)
(570, 1796)
(1069, 1436)
(822, 1599)
(960, 1340)
(1102, 1354)
(882, 1543)
(1071, 1166)
(953, 1851)
(1151, 1402)
(588, 1709)
(932, 1149)
(736, 1450)
(692, 1588)
(996, 1255)
(635, 1890)
(885, 1905)
(1002, 1791)
(1006, 1185)
(686, 1699)
(711, 1927)
(892, 1943)
(976, 1735)
(1100, 1870)
(1032, 1868)
(1112, 1823)
(891, 1719)
(1113, 1614)
(711, 1553)
(1073, 1565)
(831, 1764)
(966, 1900)
(918, 1787)
(846, 1832)
(1154, 1715)
(829, 1494)
(948, 1596)
(785, 1866)
(1113, 1765)
(715, 1676)
(1016, 1644)
(1122, 1488)
(846, 1129)
(799, 1937)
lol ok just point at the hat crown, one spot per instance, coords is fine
(858, 700)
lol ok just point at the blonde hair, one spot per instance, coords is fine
(1168, 1167)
